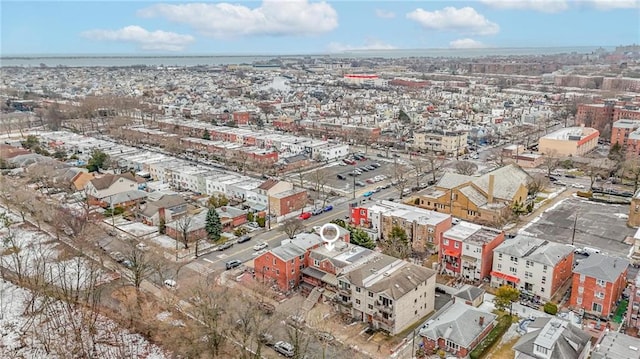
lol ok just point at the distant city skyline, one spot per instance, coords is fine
(310, 27)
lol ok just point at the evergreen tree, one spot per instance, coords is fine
(213, 226)
(361, 238)
(206, 135)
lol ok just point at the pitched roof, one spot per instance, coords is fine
(562, 338)
(603, 267)
(476, 197)
(268, 184)
(534, 249)
(458, 322)
(451, 180)
(104, 182)
(507, 181)
(469, 292)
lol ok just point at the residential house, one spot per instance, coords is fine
(615, 345)
(457, 329)
(288, 201)
(283, 265)
(536, 267)
(80, 180)
(231, 217)
(167, 207)
(598, 283)
(114, 191)
(191, 225)
(466, 250)
(487, 199)
(551, 338)
(423, 227)
(445, 142)
(267, 189)
(386, 292)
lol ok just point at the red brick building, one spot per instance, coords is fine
(466, 250)
(285, 202)
(602, 116)
(241, 118)
(598, 282)
(283, 265)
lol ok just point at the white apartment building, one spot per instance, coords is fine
(448, 142)
(536, 267)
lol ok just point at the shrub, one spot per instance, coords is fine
(496, 333)
(261, 221)
(416, 201)
(587, 194)
(550, 308)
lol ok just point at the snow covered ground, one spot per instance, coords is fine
(43, 328)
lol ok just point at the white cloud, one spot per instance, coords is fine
(464, 20)
(370, 44)
(466, 44)
(614, 4)
(272, 17)
(147, 40)
(384, 14)
(549, 6)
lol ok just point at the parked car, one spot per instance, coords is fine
(577, 185)
(360, 183)
(244, 239)
(328, 208)
(325, 337)
(260, 246)
(316, 211)
(232, 264)
(225, 245)
(284, 348)
(375, 164)
(370, 181)
(267, 307)
(368, 194)
(170, 283)
(305, 215)
(266, 339)
(370, 167)
(341, 176)
(119, 257)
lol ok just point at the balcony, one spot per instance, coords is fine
(379, 318)
(383, 308)
(344, 291)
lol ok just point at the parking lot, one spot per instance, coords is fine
(385, 169)
(598, 225)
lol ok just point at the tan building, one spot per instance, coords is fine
(571, 141)
(447, 142)
(487, 199)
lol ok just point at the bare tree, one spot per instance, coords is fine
(292, 226)
(466, 168)
(419, 167)
(632, 170)
(183, 226)
(320, 179)
(551, 162)
(498, 157)
(139, 264)
(400, 177)
(537, 184)
(211, 313)
(594, 169)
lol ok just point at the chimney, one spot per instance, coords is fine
(490, 191)
(481, 321)
(161, 214)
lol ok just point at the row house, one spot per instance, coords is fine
(466, 250)
(423, 227)
(487, 199)
(633, 313)
(597, 284)
(283, 203)
(536, 267)
(388, 293)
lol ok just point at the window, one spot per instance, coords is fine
(456, 244)
(600, 295)
(579, 300)
(466, 247)
(513, 270)
(277, 271)
(544, 279)
(601, 283)
(529, 263)
(358, 301)
(301, 257)
(274, 261)
(445, 242)
(370, 294)
(580, 289)
(514, 259)
(500, 255)
(597, 307)
(581, 278)
(499, 266)
(357, 289)
(452, 345)
(316, 263)
(544, 268)
(528, 274)
(370, 306)
(541, 349)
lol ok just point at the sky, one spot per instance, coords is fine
(309, 27)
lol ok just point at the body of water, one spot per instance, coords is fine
(215, 60)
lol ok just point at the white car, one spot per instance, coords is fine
(260, 246)
(576, 185)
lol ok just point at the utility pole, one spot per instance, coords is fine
(353, 174)
(575, 224)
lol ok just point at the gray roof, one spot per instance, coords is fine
(451, 180)
(475, 196)
(507, 180)
(469, 292)
(389, 275)
(603, 267)
(287, 252)
(534, 249)
(616, 345)
(459, 323)
(565, 340)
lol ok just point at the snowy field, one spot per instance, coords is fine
(42, 328)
